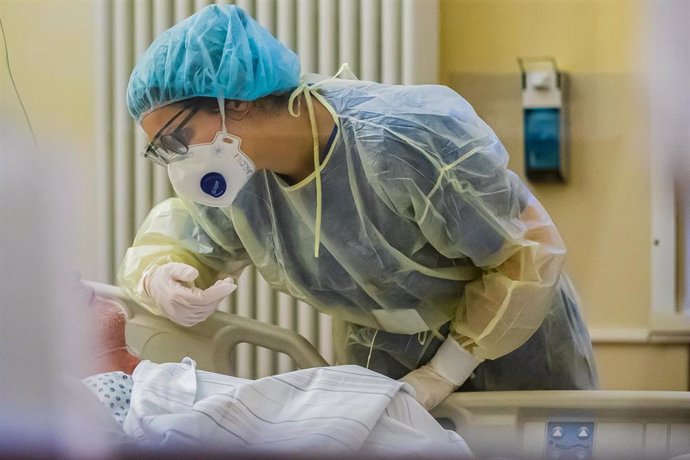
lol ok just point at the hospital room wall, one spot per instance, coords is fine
(50, 48)
(603, 212)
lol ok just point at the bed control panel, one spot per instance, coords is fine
(569, 440)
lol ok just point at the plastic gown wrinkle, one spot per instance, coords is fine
(483, 263)
(454, 197)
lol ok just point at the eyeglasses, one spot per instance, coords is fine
(163, 148)
(166, 148)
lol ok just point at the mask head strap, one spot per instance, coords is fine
(221, 108)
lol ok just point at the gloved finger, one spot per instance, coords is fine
(181, 272)
(218, 291)
(227, 280)
(190, 315)
(189, 296)
(183, 320)
(204, 299)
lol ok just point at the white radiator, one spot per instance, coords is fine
(391, 41)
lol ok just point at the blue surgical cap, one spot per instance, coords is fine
(220, 51)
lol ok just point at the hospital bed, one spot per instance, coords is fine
(529, 424)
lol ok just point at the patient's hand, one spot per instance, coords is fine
(110, 352)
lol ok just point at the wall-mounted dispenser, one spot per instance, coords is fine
(544, 125)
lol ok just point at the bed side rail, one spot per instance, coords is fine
(210, 343)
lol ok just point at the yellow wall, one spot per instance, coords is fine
(50, 49)
(603, 212)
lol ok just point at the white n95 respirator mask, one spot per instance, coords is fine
(212, 174)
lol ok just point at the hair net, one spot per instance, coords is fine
(220, 51)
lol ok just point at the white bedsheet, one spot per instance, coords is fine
(342, 409)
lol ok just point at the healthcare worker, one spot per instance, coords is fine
(388, 207)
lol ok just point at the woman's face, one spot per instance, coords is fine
(198, 121)
(260, 127)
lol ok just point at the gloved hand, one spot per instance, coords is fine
(445, 372)
(171, 286)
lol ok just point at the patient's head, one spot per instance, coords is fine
(110, 349)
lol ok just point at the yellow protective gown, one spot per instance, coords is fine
(423, 229)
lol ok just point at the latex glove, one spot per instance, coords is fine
(171, 286)
(444, 373)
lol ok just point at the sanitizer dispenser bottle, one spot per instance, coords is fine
(542, 101)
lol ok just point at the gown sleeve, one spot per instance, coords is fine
(170, 233)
